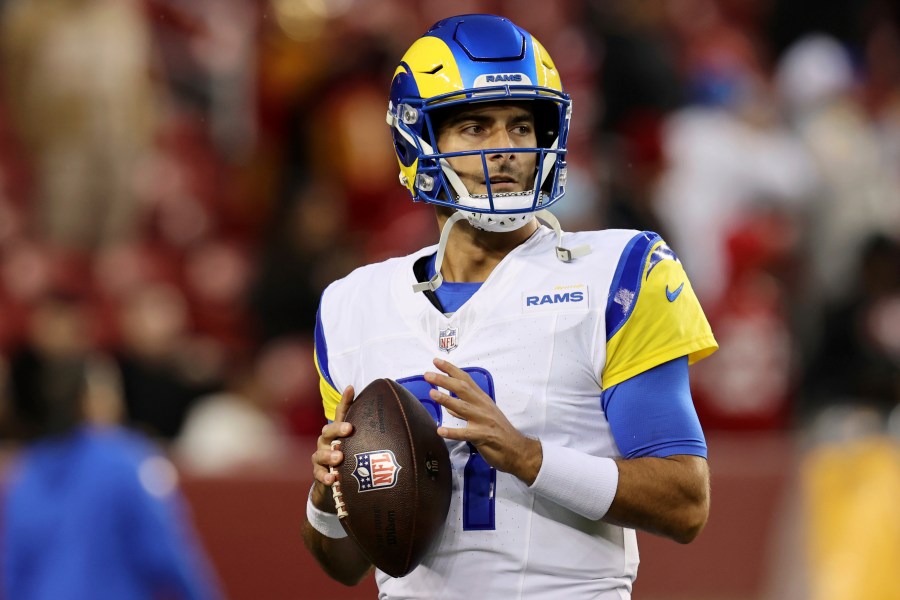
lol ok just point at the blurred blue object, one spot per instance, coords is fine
(719, 86)
(96, 513)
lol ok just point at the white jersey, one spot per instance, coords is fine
(543, 338)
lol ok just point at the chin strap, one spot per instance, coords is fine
(436, 281)
(563, 254)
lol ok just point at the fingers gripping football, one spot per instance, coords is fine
(502, 445)
(328, 455)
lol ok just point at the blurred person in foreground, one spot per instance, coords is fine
(566, 403)
(78, 79)
(90, 511)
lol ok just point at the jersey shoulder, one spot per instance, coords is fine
(594, 268)
(350, 306)
(652, 312)
(605, 246)
(368, 281)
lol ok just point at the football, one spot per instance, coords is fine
(394, 486)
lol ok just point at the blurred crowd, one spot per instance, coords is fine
(179, 181)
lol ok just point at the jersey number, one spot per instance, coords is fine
(479, 478)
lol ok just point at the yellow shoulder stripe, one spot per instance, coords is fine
(666, 322)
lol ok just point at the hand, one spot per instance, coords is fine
(341, 558)
(325, 457)
(503, 446)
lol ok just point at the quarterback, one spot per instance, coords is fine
(555, 364)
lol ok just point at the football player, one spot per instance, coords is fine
(555, 364)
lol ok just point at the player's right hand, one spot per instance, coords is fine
(325, 457)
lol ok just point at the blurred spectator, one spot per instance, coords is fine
(633, 164)
(858, 198)
(33, 275)
(59, 326)
(79, 86)
(232, 430)
(216, 282)
(751, 383)
(287, 375)
(308, 246)
(164, 370)
(727, 154)
(858, 360)
(248, 424)
(842, 20)
(639, 70)
(90, 512)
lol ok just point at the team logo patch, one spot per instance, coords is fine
(448, 339)
(561, 296)
(376, 470)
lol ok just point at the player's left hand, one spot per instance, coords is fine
(502, 445)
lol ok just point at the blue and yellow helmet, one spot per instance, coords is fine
(468, 59)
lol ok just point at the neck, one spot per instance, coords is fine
(472, 254)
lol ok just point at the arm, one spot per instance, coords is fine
(663, 477)
(340, 557)
(665, 495)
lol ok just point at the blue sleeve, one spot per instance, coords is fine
(652, 413)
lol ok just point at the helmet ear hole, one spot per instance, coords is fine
(406, 152)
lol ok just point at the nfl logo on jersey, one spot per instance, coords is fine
(376, 470)
(448, 339)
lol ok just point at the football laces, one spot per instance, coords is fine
(336, 487)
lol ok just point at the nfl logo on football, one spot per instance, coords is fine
(376, 470)
(448, 339)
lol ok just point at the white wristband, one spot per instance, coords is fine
(583, 483)
(325, 523)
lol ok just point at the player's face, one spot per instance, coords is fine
(481, 127)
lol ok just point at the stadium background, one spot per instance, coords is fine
(178, 182)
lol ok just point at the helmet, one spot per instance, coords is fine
(474, 59)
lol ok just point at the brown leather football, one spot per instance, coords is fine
(395, 481)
